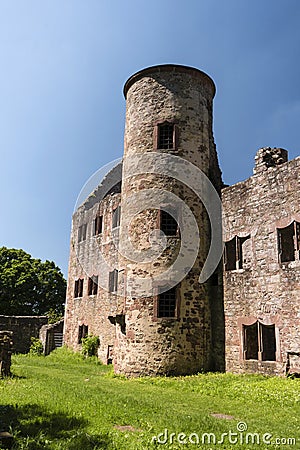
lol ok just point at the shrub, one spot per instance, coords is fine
(90, 345)
(36, 347)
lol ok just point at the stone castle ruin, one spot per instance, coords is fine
(153, 226)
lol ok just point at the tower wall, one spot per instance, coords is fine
(151, 344)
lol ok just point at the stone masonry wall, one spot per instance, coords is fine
(85, 261)
(264, 289)
(23, 328)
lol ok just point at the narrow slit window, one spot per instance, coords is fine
(230, 254)
(251, 341)
(83, 331)
(78, 288)
(167, 303)
(113, 281)
(110, 354)
(268, 340)
(82, 232)
(98, 225)
(93, 285)
(289, 242)
(116, 216)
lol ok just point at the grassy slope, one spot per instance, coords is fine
(64, 402)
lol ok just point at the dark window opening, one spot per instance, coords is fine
(234, 253)
(214, 279)
(78, 289)
(165, 136)
(93, 285)
(83, 331)
(259, 342)
(116, 217)
(230, 254)
(168, 224)
(120, 319)
(251, 341)
(113, 281)
(289, 242)
(82, 232)
(98, 225)
(268, 342)
(110, 354)
(167, 303)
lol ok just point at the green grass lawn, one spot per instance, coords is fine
(65, 402)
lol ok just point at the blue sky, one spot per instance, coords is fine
(63, 67)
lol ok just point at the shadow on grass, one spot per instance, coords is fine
(36, 428)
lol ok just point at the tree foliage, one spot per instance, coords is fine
(29, 286)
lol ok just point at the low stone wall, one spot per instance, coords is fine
(5, 353)
(52, 336)
(23, 328)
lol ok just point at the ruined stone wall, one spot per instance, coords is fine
(23, 328)
(264, 289)
(51, 336)
(183, 344)
(86, 261)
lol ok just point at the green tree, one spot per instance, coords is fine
(29, 286)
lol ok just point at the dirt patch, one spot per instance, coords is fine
(222, 416)
(126, 428)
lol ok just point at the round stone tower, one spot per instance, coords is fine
(167, 314)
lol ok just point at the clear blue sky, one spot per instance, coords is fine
(63, 66)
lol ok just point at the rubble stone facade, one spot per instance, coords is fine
(180, 328)
(262, 292)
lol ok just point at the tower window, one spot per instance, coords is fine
(289, 242)
(113, 281)
(98, 225)
(168, 224)
(82, 232)
(116, 217)
(165, 136)
(83, 331)
(234, 253)
(78, 289)
(93, 285)
(259, 342)
(167, 303)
